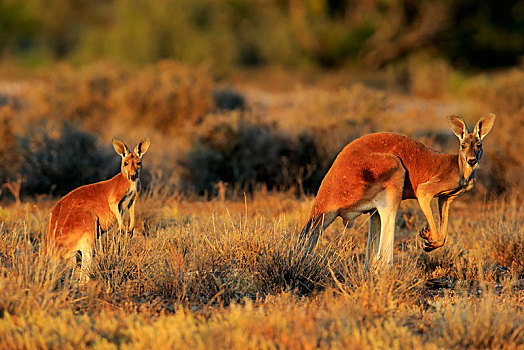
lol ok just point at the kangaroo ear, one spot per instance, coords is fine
(142, 147)
(120, 148)
(484, 125)
(458, 126)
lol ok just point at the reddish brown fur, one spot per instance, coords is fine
(82, 214)
(79, 211)
(375, 172)
(353, 172)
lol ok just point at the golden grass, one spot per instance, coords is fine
(223, 272)
(215, 273)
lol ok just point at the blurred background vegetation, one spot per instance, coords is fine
(231, 33)
(240, 94)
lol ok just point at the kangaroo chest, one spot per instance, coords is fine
(128, 198)
(458, 190)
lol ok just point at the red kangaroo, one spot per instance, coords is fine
(375, 172)
(81, 215)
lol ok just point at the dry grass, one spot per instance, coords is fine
(220, 273)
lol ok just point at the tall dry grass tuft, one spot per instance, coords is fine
(28, 279)
(282, 266)
(385, 291)
(502, 235)
(479, 323)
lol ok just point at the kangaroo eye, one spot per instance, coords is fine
(463, 146)
(139, 163)
(125, 163)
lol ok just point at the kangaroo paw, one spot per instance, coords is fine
(432, 245)
(425, 233)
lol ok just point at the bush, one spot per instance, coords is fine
(60, 160)
(504, 162)
(245, 154)
(164, 96)
(80, 96)
(9, 156)
(228, 98)
(430, 78)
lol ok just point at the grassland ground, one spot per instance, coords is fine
(219, 273)
(219, 269)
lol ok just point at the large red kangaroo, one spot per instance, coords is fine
(81, 215)
(375, 172)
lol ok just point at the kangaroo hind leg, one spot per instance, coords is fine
(387, 203)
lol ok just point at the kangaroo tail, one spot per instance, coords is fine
(309, 235)
(48, 236)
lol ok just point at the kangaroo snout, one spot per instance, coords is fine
(472, 162)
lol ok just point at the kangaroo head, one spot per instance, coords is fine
(131, 161)
(470, 150)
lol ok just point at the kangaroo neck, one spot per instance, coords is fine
(124, 183)
(456, 183)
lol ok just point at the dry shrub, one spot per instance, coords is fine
(79, 95)
(503, 162)
(167, 96)
(244, 149)
(243, 154)
(228, 98)
(10, 159)
(344, 116)
(105, 97)
(334, 118)
(429, 79)
(503, 92)
(61, 159)
(480, 323)
(502, 235)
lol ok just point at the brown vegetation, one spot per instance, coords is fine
(220, 271)
(209, 272)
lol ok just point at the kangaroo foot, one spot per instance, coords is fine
(430, 244)
(425, 233)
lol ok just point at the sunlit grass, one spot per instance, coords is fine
(225, 274)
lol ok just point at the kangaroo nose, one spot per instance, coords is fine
(472, 162)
